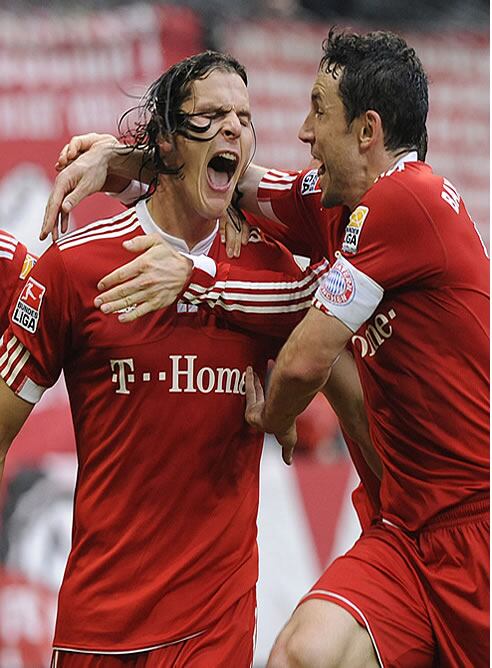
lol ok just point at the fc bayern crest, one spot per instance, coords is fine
(338, 287)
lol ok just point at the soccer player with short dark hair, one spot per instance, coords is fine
(409, 290)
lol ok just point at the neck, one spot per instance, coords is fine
(377, 163)
(175, 217)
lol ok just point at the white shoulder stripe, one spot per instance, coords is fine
(11, 342)
(104, 233)
(115, 220)
(278, 172)
(274, 186)
(8, 244)
(5, 236)
(10, 357)
(6, 255)
(18, 367)
(272, 177)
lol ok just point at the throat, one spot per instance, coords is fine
(174, 219)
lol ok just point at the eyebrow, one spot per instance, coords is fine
(211, 109)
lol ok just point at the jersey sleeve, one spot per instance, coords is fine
(15, 264)
(33, 347)
(390, 243)
(291, 204)
(268, 301)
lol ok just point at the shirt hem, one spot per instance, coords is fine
(147, 648)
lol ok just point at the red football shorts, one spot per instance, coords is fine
(424, 597)
(229, 642)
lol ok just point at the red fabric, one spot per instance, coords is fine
(424, 597)
(306, 228)
(12, 256)
(229, 642)
(164, 533)
(426, 381)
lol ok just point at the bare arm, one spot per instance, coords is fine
(88, 164)
(248, 187)
(344, 392)
(13, 413)
(303, 368)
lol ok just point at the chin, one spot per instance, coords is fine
(331, 199)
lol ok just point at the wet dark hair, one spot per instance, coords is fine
(159, 112)
(379, 71)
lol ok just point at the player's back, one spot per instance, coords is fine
(423, 354)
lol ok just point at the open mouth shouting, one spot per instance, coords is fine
(221, 169)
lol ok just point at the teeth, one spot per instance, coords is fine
(228, 156)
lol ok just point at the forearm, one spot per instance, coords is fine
(344, 392)
(248, 187)
(129, 163)
(302, 369)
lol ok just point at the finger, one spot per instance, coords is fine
(237, 244)
(260, 395)
(231, 240)
(62, 161)
(64, 221)
(50, 220)
(222, 228)
(250, 387)
(143, 242)
(80, 192)
(138, 312)
(245, 233)
(74, 147)
(121, 296)
(287, 453)
(120, 275)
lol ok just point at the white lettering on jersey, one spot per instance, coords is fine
(451, 195)
(185, 376)
(120, 374)
(310, 182)
(375, 334)
(353, 229)
(28, 307)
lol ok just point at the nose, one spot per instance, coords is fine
(306, 133)
(232, 125)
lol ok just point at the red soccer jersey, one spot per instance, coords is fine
(15, 264)
(412, 283)
(291, 203)
(164, 530)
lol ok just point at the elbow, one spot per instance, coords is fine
(311, 371)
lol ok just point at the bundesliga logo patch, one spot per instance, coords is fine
(27, 309)
(338, 287)
(353, 229)
(310, 183)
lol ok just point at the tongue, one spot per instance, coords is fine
(218, 179)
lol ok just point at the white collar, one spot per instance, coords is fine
(408, 157)
(149, 226)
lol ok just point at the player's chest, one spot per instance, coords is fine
(182, 350)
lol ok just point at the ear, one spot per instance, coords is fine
(166, 145)
(370, 129)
